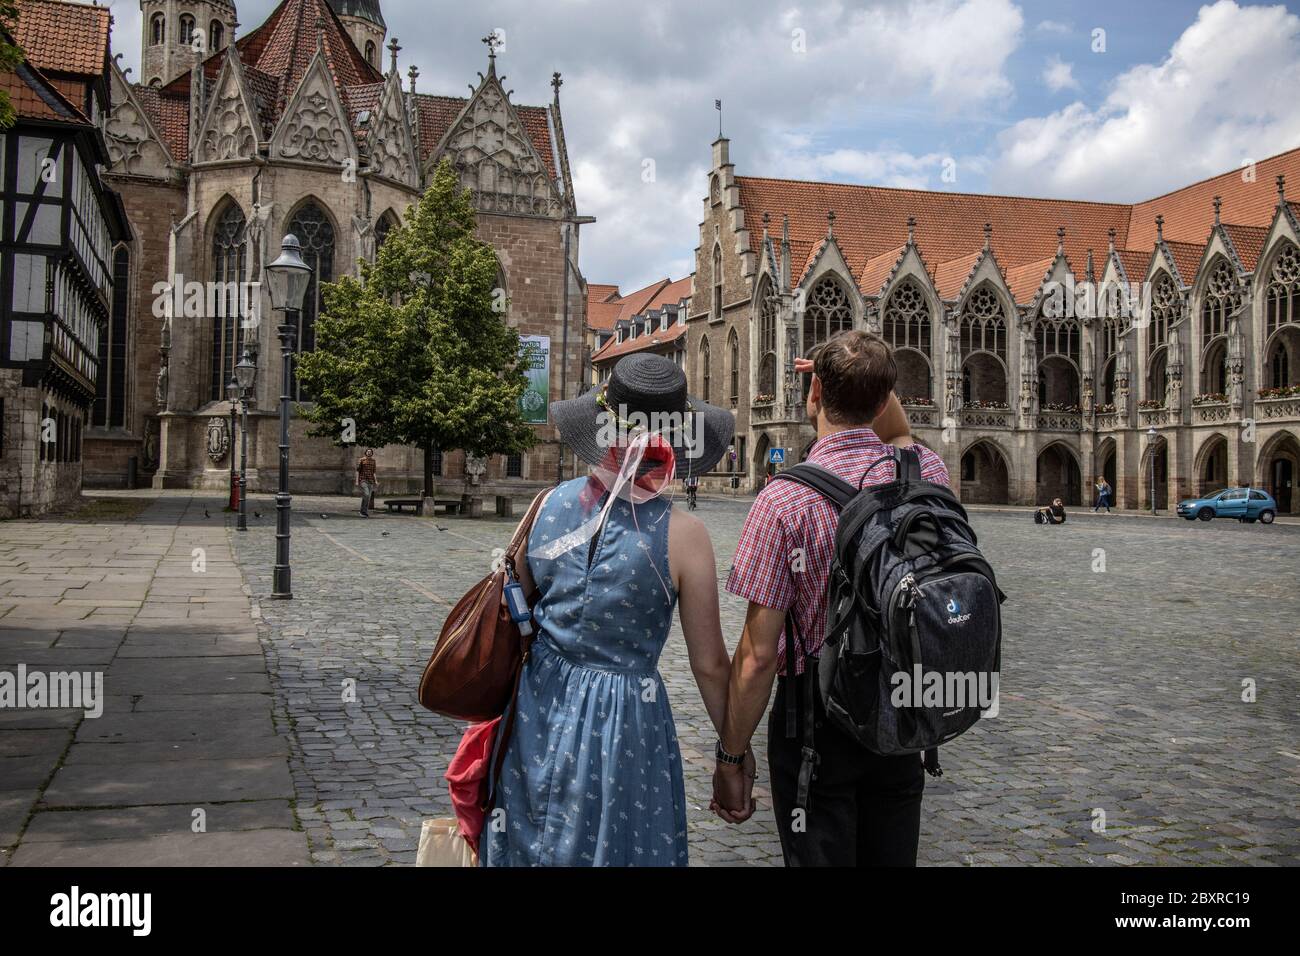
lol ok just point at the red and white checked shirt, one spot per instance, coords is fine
(791, 527)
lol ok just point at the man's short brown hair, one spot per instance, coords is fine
(857, 373)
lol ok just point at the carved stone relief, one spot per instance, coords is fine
(228, 133)
(496, 160)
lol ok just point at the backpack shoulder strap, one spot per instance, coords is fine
(909, 463)
(827, 484)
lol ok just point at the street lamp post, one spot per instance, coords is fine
(245, 371)
(1152, 435)
(286, 280)
(236, 492)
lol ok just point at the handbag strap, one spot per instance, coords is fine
(508, 719)
(524, 529)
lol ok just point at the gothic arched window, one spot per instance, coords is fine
(717, 282)
(370, 52)
(187, 29)
(1282, 297)
(157, 29)
(705, 373)
(229, 262)
(733, 357)
(1164, 312)
(316, 234)
(983, 324)
(1221, 299)
(907, 319)
(216, 36)
(766, 340)
(1057, 338)
(382, 228)
(826, 313)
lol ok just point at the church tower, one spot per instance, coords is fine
(174, 31)
(365, 25)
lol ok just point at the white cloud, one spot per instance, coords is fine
(1225, 93)
(1052, 26)
(1059, 75)
(640, 80)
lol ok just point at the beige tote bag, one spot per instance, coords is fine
(441, 844)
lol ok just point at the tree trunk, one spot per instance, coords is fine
(428, 470)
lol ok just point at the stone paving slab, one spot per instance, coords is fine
(169, 781)
(187, 713)
(279, 847)
(226, 746)
(134, 823)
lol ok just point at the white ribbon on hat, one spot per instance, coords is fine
(624, 486)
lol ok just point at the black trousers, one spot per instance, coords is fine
(864, 809)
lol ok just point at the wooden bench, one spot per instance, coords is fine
(449, 505)
(397, 504)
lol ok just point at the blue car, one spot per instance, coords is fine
(1244, 504)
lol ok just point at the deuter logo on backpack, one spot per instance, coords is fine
(955, 612)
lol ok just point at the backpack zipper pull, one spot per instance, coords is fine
(912, 588)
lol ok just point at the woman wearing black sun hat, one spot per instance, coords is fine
(592, 775)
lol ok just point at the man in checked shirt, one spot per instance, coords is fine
(864, 809)
(367, 481)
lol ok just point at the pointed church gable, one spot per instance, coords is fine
(495, 158)
(392, 146)
(227, 132)
(134, 146)
(314, 126)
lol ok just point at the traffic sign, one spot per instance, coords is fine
(776, 456)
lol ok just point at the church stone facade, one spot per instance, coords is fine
(1040, 343)
(294, 128)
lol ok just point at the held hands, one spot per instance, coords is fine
(733, 786)
(802, 365)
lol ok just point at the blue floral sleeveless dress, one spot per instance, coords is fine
(592, 775)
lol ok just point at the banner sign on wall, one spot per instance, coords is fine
(536, 351)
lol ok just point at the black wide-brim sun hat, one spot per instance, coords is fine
(649, 385)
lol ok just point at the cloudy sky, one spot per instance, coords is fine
(1106, 99)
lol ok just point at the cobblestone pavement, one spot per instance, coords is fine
(1121, 690)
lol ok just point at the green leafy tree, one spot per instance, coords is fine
(10, 57)
(415, 353)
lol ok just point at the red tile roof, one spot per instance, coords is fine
(871, 220)
(615, 349)
(875, 272)
(34, 97)
(63, 37)
(1187, 259)
(1025, 281)
(1248, 241)
(871, 225)
(950, 276)
(170, 115)
(1189, 211)
(1135, 263)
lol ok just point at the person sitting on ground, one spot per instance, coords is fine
(1052, 514)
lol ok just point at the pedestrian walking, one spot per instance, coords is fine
(1103, 494)
(367, 481)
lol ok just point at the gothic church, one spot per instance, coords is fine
(296, 127)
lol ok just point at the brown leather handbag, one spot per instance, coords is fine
(474, 667)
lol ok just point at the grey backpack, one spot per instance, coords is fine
(913, 617)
